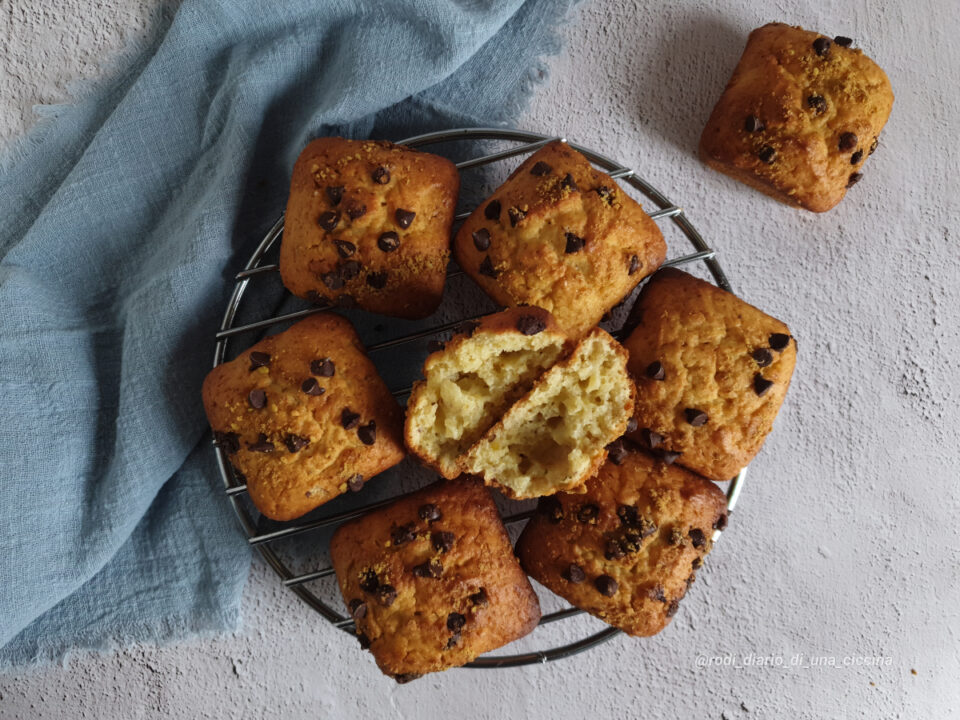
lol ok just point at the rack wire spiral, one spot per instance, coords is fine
(264, 539)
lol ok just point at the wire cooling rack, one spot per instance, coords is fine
(265, 535)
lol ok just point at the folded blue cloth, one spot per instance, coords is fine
(120, 219)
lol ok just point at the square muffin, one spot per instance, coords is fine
(431, 580)
(560, 235)
(799, 117)
(711, 374)
(628, 549)
(368, 225)
(304, 416)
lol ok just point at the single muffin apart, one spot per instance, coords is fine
(304, 416)
(474, 379)
(431, 581)
(560, 235)
(799, 117)
(711, 374)
(554, 438)
(626, 550)
(368, 225)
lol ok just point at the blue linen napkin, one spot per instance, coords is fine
(120, 219)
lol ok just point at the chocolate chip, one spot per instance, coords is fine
(257, 399)
(335, 194)
(332, 280)
(377, 280)
(358, 609)
(762, 357)
(854, 179)
(429, 513)
(568, 183)
(369, 582)
(349, 419)
(697, 563)
(767, 155)
(486, 268)
(468, 328)
(295, 443)
(632, 425)
(669, 457)
(259, 360)
(356, 210)
(873, 146)
(697, 538)
(516, 215)
(588, 513)
(573, 573)
(364, 641)
(843, 41)
(346, 301)
(404, 217)
(606, 585)
(355, 483)
(345, 249)
(429, 569)
(655, 371)
(821, 46)
(402, 534)
(368, 433)
(388, 241)
(721, 522)
(753, 124)
(606, 194)
(695, 417)
(323, 368)
(261, 445)
(552, 508)
(779, 341)
(848, 141)
(531, 324)
(328, 220)
(817, 103)
(540, 168)
(856, 157)
(657, 593)
(761, 384)
(492, 210)
(435, 346)
(442, 541)
(628, 515)
(381, 176)
(617, 451)
(634, 265)
(614, 550)
(575, 243)
(480, 597)
(673, 607)
(455, 622)
(481, 239)
(386, 594)
(229, 442)
(317, 299)
(349, 270)
(651, 439)
(404, 678)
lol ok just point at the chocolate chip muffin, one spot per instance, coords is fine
(560, 235)
(554, 438)
(368, 225)
(799, 117)
(432, 581)
(471, 382)
(626, 550)
(711, 374)
(304, 416)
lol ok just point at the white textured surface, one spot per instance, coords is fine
(846, 540)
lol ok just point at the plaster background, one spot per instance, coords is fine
(845, 542)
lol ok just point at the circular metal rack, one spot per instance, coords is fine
(523, 143)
